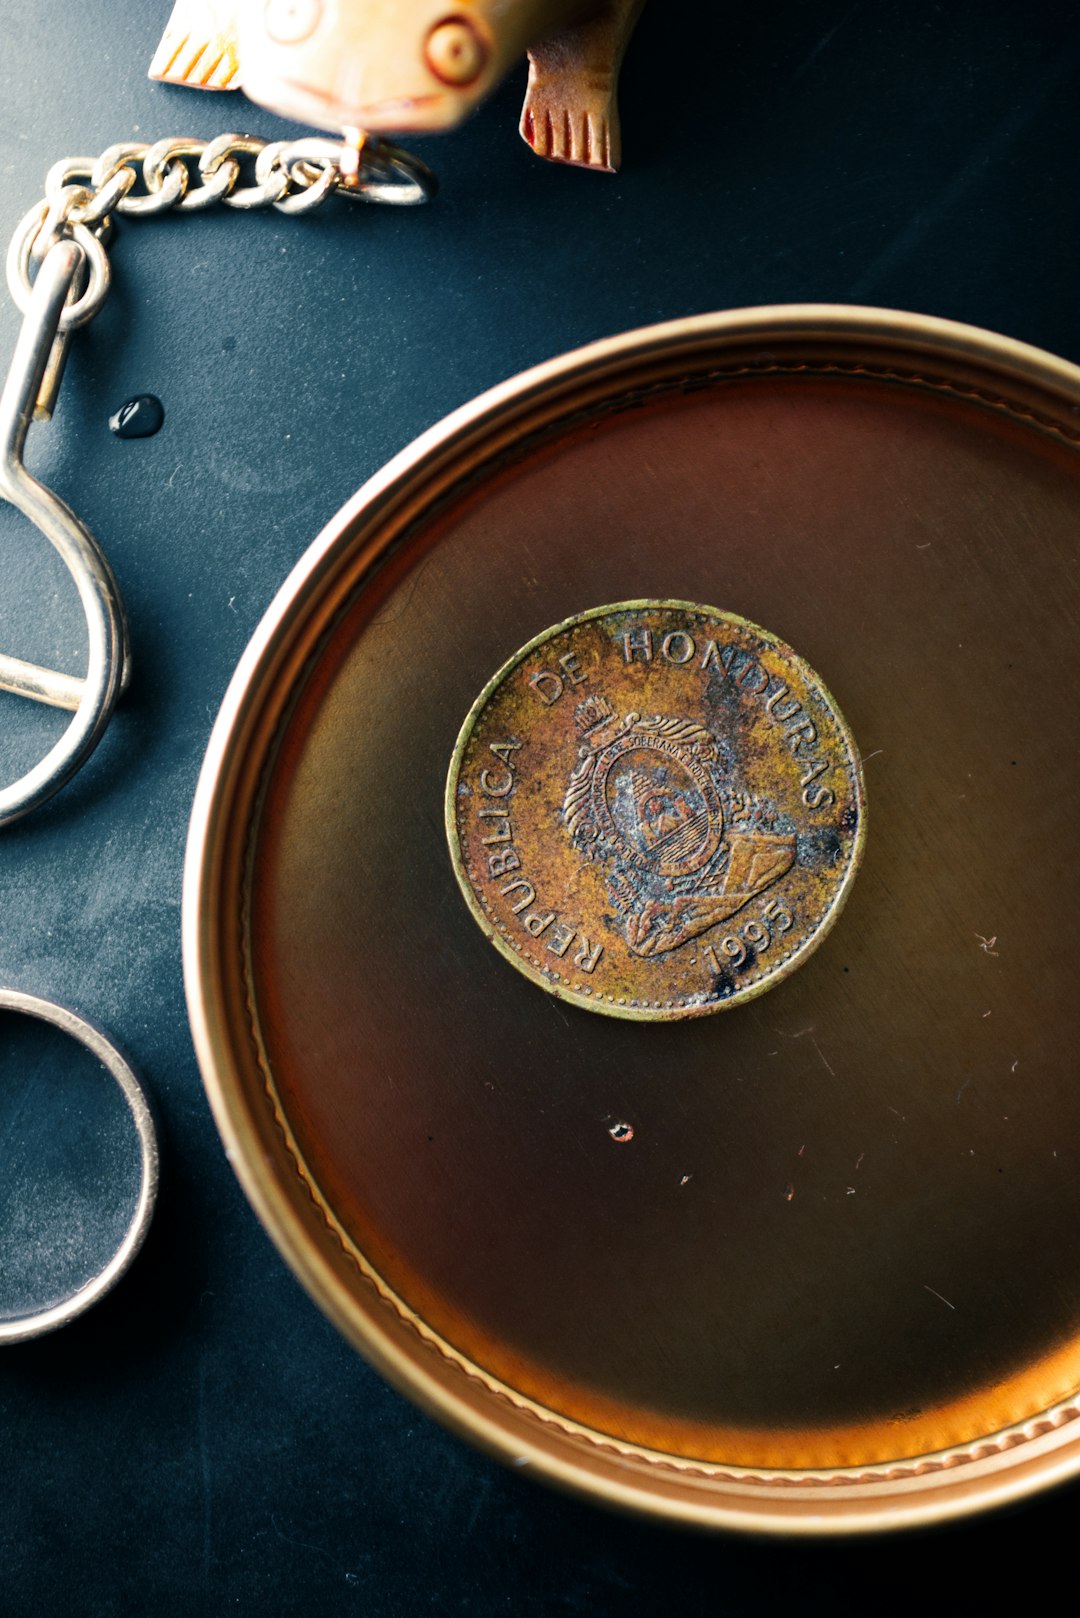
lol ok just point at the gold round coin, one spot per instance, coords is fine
(655, 810)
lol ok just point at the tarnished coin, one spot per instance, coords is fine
(655, 810)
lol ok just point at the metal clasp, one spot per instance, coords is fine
(64, 236)
(34, 376)
(365, 168)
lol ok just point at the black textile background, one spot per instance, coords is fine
(204, 1442)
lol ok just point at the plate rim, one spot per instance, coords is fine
(986, 1472)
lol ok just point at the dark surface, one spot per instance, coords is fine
(203, 1441)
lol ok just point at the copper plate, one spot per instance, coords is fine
(807, 1266)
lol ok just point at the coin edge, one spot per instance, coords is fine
(679, 1013)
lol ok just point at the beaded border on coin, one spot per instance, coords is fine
(642, 1007)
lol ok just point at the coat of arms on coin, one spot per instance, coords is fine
(655, 809)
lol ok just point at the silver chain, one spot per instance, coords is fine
(82, 194)
(58, 272)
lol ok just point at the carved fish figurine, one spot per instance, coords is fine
(412, 66)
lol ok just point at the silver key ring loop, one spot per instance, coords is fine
(17, 1328)
(385, 172)
(94, 697)
(58, 273)
(19, 255)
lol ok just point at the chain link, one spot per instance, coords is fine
(58, 272)
(82, 194)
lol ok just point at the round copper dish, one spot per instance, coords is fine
(828, 1281)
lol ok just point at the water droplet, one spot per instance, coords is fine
(140, 417)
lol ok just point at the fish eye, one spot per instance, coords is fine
(289, 21)
(455, 52)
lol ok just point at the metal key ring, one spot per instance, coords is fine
(20, 252)
(93, 699)
(17, 1328)
(385, 172)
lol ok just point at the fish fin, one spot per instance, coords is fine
(564, 133)
(198, 47)
(571, 112)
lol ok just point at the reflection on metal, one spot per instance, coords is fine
(51, 1315)
(632, 781)
(58, 275)
(44, 334)
(728, 1322)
